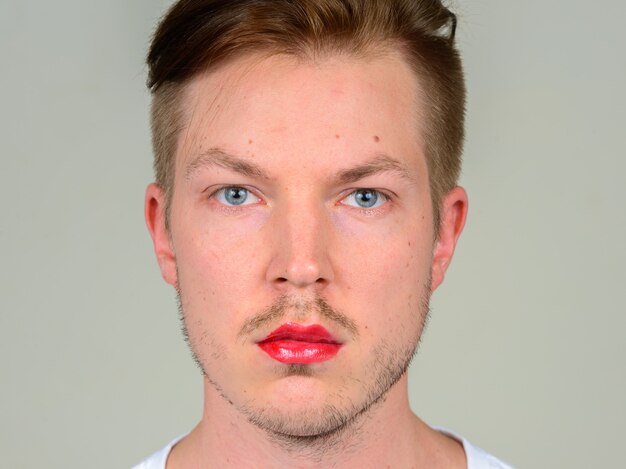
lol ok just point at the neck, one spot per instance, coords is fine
(387, 434)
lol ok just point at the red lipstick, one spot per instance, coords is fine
(296, 344)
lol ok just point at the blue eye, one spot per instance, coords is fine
(236, 196)
(365, 198)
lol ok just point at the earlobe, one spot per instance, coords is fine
(453, 214)
(154, 211)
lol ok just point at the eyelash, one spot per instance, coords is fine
(364, 211)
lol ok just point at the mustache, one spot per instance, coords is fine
(280, 308)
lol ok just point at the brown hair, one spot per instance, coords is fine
(198, 35)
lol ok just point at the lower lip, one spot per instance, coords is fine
(297, 352)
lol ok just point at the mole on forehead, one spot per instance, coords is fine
(376, 138)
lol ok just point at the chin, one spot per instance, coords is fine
(299, 391)
(299, 419)
(300, 406)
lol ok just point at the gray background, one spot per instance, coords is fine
(525, 351)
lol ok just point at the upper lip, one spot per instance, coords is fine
(290, 331)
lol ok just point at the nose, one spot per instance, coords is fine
(300, 248)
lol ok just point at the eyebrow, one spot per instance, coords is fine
(217, 157)
(379, 164)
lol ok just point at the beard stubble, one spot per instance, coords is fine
(317, 431)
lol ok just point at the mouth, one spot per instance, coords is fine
(295, 344)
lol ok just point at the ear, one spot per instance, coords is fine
(452, 220)
(154, 211)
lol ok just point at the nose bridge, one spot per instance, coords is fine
(300, 226)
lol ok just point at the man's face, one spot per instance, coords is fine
(301, 199)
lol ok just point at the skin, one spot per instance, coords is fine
(285, 129)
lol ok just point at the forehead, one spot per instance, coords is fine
(284, 105)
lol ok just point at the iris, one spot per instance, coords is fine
(235, 195)
(366, 198)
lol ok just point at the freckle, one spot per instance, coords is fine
(376, 138)
(337, 136)
(250, 142)
(409, 243)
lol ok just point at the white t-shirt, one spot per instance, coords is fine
(476, 457)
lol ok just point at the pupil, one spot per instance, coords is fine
(236, 195)
(367, 198)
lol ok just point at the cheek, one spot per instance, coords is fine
(217, 262)
(390, 281)
(394, 254)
